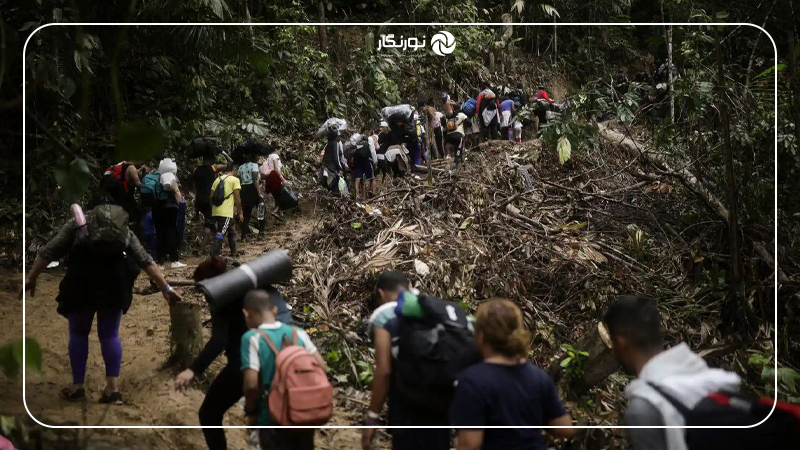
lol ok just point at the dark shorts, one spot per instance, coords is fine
(384, 167)
(362, 168)
(223, 225)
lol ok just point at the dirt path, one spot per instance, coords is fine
(149, 396)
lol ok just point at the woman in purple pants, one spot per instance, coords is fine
(95, 284)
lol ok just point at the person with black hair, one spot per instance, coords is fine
(384, 330)
(202, 178)
(634, 324)
(224, 213)
(251, 193)
(258, 365)
(227, 328)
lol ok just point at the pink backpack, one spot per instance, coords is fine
(301, 393)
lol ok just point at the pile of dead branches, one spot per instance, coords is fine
(562, 242)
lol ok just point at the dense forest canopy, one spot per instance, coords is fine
(96, 94)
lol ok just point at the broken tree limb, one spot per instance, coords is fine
(684, 175)
(598, 366)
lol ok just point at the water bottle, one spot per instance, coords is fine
(262, 209)
(80, 219)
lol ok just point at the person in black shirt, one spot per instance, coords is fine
(227, 327)
(505, 389)
(203, 178)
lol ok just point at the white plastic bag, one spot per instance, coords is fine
(169, 181)
(167, 165)
(343, 188)
(333, 122)
(404, 110)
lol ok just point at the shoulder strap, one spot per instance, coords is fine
(683, 409)
(294, 335)
(269, 342)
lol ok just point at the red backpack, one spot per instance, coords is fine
(300, 393)
(781, 430)
(114, 179)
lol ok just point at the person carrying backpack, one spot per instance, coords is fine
(105, 257)
(227, 328)
(365, 161)
(415, 378)
(275, 357)
(251, 193)
(675, 387)
(506, 389)
(454, 133)
(165, 214)
(203, 178)
(507, 111)
(225, 202)
(487, 111)
(120, 182)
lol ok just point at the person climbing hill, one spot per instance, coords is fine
(105, 257)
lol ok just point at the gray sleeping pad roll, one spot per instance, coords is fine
(272, 268)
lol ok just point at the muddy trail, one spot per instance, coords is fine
(150, 399)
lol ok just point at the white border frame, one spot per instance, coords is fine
(483, 24)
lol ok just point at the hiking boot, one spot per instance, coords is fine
(72, 395)
(114, 398)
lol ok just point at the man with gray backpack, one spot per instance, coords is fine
(105, 257)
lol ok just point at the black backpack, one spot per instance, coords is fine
(219, 197)
(432, 353)
(362, 150)
(780, 431)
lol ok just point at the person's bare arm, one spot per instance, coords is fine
(30, 282)
(155, 274)
(237, 203)
(132, 175)
(383, 369)
(250, 390)
(563, 421)
(469, 440)
(259, 188)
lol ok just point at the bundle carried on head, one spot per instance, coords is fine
(334, 125)
(397, 112)
(203, 146)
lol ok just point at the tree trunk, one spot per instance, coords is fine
(323, 37)
(668, 38)
(794, 82)
(737, 311)
(186, 334)
(598, 366)
(555, 41)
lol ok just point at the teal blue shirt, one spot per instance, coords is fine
(257, 355)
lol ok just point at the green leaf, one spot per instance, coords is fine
(356, 225)
(564, 149)
(73, 179)
(779, 68)
(139, 141)
(33, 355)
(565, 362)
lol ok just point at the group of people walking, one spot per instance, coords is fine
(477, 376)
(407, 137)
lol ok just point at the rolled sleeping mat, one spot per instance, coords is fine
(272, 268)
